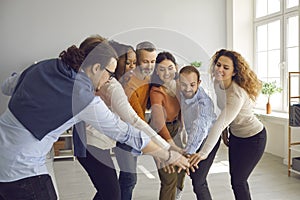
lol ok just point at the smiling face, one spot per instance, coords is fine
(166, 70)
(188, 84)
(130, 63)
(146, 62)
(224, 70)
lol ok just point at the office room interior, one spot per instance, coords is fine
(193, 30)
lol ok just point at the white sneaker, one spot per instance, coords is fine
(178, 194)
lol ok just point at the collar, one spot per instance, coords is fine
(200, 94)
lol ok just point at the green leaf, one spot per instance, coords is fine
(196, 63)
(269, 88)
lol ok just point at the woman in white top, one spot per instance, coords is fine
(98, 162)
(237, 88)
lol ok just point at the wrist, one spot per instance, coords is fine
(169, 156)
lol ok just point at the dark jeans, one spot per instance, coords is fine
(127, 163)
(31, 188)
(244, 154)
(198, 177)
(100, 168)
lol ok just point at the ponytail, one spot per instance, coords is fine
(73, 57)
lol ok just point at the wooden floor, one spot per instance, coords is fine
(269, 181)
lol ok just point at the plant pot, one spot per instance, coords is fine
(268, 108)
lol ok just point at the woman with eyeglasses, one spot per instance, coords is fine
(30, 125)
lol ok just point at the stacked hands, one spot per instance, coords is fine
(184, 161)
(178, 157)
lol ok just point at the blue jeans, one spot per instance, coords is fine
(244, 154)
(127, 163)
(198, 177)
(32, 188)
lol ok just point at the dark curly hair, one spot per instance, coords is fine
(94, 49)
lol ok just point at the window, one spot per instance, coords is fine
(276, 29)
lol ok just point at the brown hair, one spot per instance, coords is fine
(190, 69)
(94, 49)
(244, 76)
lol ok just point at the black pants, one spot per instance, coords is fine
(100, 168)
(31, 188)
(198, 177)
(244, 154)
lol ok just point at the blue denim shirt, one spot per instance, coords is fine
(198, 115)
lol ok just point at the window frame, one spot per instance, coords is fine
(283, 15)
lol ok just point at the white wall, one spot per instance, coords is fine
(240, 28)
(276, 125)
(33, 30)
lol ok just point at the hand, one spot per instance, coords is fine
(163, 165)
(194, 161)
(225, 137)
(178, 160)
(169, 169)
(158, 161)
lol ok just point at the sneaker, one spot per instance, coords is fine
(178, 194)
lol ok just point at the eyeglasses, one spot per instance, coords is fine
(111, 74)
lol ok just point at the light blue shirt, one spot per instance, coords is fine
(198, 115)
(22, 155)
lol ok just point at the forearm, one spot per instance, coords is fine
(193, 136)
(197, 133)
(169, 156)
(224, 119)
(153, 149)
(122, 107)
(101, 118)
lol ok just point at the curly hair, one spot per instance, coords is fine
(94, 49)
(73, 57)
(244, 77)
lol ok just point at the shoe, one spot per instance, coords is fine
(178, 194)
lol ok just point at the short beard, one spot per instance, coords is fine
(145, 74)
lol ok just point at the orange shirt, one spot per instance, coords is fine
(165, 108)
(137, 92)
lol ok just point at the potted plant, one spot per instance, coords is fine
(196, 63)
(268, 89)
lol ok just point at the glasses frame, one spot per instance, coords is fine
(111, 74)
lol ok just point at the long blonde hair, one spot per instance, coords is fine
(244, 76)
